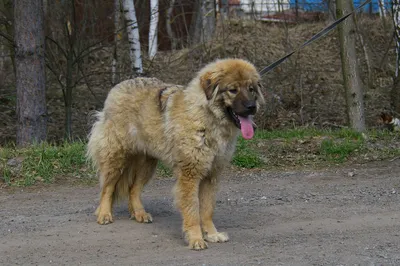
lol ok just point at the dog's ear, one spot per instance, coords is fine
(206, 82)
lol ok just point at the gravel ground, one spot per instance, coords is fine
(342, 216)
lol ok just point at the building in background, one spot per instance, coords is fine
(322, 5)
(262, 7)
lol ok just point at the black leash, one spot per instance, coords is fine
(323, 32)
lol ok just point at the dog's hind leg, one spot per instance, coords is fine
(143, 168)
(111, 170)
(207, 191)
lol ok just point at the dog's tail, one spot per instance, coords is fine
(95, 135)
(96, 147)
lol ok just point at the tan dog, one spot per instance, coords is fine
(192, 129)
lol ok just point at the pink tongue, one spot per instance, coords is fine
(246, 126)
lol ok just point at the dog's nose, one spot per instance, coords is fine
(250, 105)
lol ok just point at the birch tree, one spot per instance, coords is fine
(395, 92)
(153, 28)
(114, 64)
(30, 71)
(133, 37)
(382, 8)
(351, 78)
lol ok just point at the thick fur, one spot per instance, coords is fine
(188, 128)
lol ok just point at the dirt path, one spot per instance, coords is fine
(273, 218)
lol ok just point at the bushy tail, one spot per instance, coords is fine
(98, 141)
(95, 142)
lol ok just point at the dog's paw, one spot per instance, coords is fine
(197, 244)
(142, 217)
(218, 237)
(104, 218)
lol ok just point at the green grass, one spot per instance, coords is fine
(298, 147)
(339, 151)
(41, 163)
(245, 156)
(287, 134)
(163, 170)
(300, 133)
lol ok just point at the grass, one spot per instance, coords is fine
(312, 146)
(300, 133)
(284, 148)
(339, 151)
(245, 157)
(42, 163)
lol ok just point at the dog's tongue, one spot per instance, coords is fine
(246, 126)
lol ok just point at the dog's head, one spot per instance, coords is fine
(388, 121)
(234, 86)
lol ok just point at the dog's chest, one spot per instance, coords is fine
(224, 143)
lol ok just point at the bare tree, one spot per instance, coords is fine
(6, 27)
(331, 9)
(114, 64)
(209, 19)
(170, 33)
(203, 21)
(67, 49)
(30, 71)
(382, 9)
(133, 37)
(153, 28)
(395, 92)
(351, 78)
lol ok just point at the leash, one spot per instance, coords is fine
(320, 34)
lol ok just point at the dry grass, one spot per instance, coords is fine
(304, 91)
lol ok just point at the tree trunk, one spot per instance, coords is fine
(331, 10)
(395, 92)
(209, 20)
(351, 78)
(133, 37)
(196, 23)
(382, 11)
(202, 26)
(114, 64)
(30, 71)
(71, 31)
(7, 7)
(68, 96)
(170, 33)
(153, 28)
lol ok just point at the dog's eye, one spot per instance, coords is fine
(233, 91)
(251, 89)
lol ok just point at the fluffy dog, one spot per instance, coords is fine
(192, 129)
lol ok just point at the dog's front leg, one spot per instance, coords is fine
(207, 191)
(187, 199)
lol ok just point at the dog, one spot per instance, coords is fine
(392, 123)
(191, 129)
